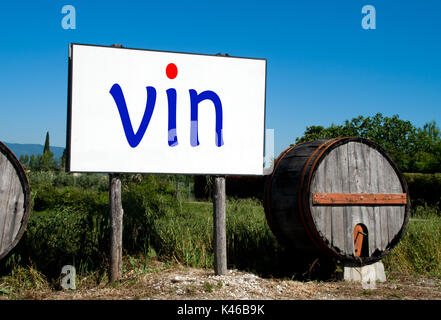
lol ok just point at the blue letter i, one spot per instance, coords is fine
(172, 133)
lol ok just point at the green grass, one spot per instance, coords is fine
(71, 227)
(184, 234)
(21, 280)
(208, 287)
(187, 237)
(251, 245)
(419, 252)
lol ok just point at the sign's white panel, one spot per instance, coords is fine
(142, 111)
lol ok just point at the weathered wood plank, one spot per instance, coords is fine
(375, 211)
(6, 174)
(18, 217)
(396, 214)
(328, 176)
(366, 211)
(355, 186)
(4, 194)
(339, 214)
(12, 200)
(8, 204)
(219, 226)
(383, 214)
(320, 183)
(15, 213)
(116, 227)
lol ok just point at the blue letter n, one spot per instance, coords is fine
(195, 99)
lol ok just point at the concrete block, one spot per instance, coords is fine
(368, 275)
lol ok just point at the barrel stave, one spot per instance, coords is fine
(14, 200)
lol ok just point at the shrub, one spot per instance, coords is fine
(91, 181)
(424, 188)
(65, 236)
(71, 225)
(48, 198)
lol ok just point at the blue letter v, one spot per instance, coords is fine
(133, 138)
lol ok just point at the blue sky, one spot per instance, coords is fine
(323, 67)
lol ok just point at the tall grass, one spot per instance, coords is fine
(70, 225)
(419, 252)
(250, 243)
(187, 236)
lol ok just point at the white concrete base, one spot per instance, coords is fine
(368, 275)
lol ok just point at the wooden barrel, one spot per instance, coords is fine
(15, 200)
(344, 197)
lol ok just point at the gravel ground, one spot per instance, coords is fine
(182, 283)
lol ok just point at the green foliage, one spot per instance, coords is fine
(419, 252)
(428, 148)
(63, 159)
(59, 179)
(22, 279)
(413, 149)
(41, 162)
(24, 160)
(208, 287)
(48, 198)
(65, 236)
(250, 243)
(424, 188)
(69, 224)
(425, 212)
(186, 235)
(145, 199)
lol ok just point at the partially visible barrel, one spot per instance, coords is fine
(344, 197)
(15, 200)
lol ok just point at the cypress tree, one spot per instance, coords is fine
(63, 159)
(46, 144)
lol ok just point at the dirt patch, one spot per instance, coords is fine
(179, 282)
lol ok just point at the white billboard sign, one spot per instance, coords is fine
(141, 111)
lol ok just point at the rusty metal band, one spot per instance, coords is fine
(330, 199)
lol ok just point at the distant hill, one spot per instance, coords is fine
(32, 149)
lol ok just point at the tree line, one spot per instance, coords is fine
(413, 149)
(45, 161)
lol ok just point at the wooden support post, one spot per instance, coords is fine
(219, 233)
(116, 224)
